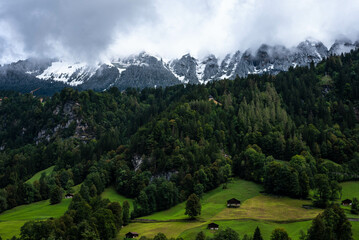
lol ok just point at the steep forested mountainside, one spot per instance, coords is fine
(289, 132)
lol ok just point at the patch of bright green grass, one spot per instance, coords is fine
(12, 220)
(272, 208)
(213, 201)
(248, 227)
(350, 189)
(355, 229)
(37, 176)
(76, 188)
(111, 194)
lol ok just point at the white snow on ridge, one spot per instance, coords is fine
(62, 72)
(200, 67)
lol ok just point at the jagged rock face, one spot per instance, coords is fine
(342, 46)
(208, 68)
(185, 68)
(307, 52)
(145, 70)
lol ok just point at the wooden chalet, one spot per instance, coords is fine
(211, 99)
(69, 195)
(131, 235)
(347, 202)
(233, 203)
(212, 226)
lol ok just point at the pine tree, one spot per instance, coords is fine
(126, 213)
(257, 234)
(355, 206)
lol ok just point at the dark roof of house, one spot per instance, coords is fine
(69, 194)
(214, 225)
(233, 201)
(347, 201)
(133, 233)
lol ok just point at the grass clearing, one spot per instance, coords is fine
(248, 227)
(112, 194)
(37, 175)
(213, 201)
(273, 208)
(350, 189)
(12, 220)
(170, 229)
(355, 229)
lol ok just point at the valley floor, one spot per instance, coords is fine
(257, 209)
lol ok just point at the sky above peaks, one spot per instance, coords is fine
(101, 30)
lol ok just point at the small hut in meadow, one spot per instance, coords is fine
(213, 226)
(347, 202)
(233, 203)
(131, 235)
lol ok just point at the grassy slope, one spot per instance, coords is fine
(350, 190)
(248, 227)
(270, 208)
(213, 201)
(12, 220)
(254, 206)
(38, 174)
(111, 194)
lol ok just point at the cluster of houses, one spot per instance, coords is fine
(231, 203)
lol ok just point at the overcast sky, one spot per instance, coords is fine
(102, 29)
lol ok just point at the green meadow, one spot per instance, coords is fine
(113, 196)
(213, 201)
(266, 211)
(12, 220)
(37, 176)
(350, 189)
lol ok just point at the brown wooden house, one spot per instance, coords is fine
(213, 226)
(347, 202)
(233, 203)
(131, 235)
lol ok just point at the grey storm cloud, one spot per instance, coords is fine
(81, 27)
(98, 29)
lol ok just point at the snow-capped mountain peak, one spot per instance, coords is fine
(149, 70)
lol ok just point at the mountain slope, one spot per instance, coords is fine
(145, 70)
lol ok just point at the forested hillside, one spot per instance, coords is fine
(293, 132)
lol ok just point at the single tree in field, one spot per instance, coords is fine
(257, 234)
(55, 195)
(193, 206)
(126, 213)
(200, 236)
(160, 236)
(228, 234)
(279, 234)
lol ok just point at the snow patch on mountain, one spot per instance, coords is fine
(73, 74)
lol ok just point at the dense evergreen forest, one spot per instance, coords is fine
(293, 132)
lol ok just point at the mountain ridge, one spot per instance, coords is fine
(146, 70)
